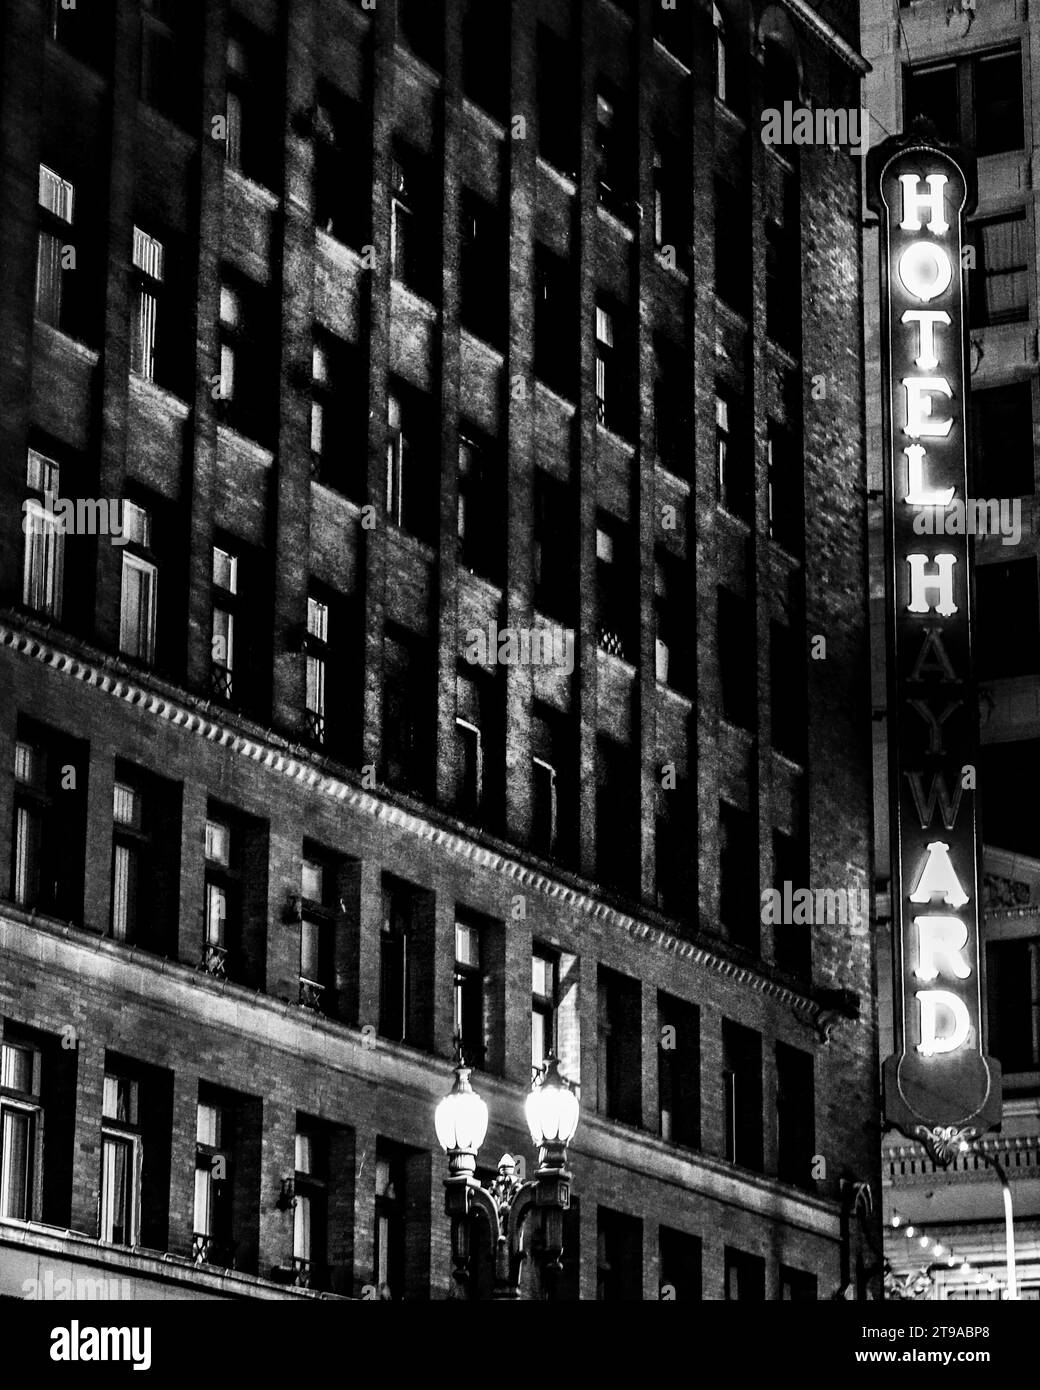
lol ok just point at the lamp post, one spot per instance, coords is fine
(461, 1121)
(993, 1162)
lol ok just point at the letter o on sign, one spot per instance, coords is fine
(925, 270)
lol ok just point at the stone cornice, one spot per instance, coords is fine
(167, 702)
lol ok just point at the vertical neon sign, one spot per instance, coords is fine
(940, 1088)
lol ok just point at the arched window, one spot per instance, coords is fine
(719, 26)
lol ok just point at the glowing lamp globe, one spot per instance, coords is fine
(551, 1108)
(461, 1121)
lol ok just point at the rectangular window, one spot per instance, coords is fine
(55, 249)
(795, 1116)
(128, 848)
(252, 130)
(341, 168)
(673, 409)
(49, 823)
(675, 633)
(225, 606)
(544, 992)
(786, 490)
(311, 1202)
(469, 992)
(484, 255)
(547, 741)
(137, 608)
(477, 745)
(675, 876)
(742, 1095)
(745, 1276)
(317, 662)
(1013, 998)
(617, 815)
(84, 32)
(339, 417)
(43, 565)
(614, 154)
(617, 582)
(792, 944)
(221, 895)
(733, 276)
(738, 659)
(613, 374)
(120, 1196)
(149, 262)
(976, 101)
(395, 962)
(671, 164)
(390, 1253)
(168, 74)
(1002, 270)
(788, 690)
(20, 1119)
(408, 702)
(553, 532)
(1008, 628)
(246, 376)
(485, 56)
(214, 1178)
(678, 1070)
(620, 1046)
(680, 1265)
(738, 877)
(414, 229)
(481, 507)
(673, 29)
(554, 323)
(1002, 436)
(557, 98)
(734, 459)
(412, 466)
(320, 895)
(619, 1256)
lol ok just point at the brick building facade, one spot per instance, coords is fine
(383, 326)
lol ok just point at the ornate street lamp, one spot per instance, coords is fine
(461, 1121)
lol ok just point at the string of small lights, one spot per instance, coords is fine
(936, 1252)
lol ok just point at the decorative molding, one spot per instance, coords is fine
(294, 762)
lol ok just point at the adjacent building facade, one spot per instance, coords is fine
(971, 71)
(431, 448)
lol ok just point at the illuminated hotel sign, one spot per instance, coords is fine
(940, 1088)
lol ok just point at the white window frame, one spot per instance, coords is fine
(149, 259)
(43, 568)
(110, 1135)
(137, 636)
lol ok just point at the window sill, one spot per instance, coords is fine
(625, 445)
(677, 270)
(147, 390)
(489, 125)
(791, 763)
(75, 64)
(738, 522)
(417, 66)
(165, 128)
(740, 735)
(618, 663)
(555, 398)
(231, 446)
(670, 57)
(564, 180)
(736, 317)
(785, 354)
(482, 348)
(423, 550)
(729, 117)
(669, 692)
(420, 303)
(61, 342)
(257, 192)
(612, 219)
(675, 479)
(339, 252)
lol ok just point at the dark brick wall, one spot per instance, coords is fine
(261, 1045)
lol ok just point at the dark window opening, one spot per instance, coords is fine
(742, 1095)
(739, 905)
